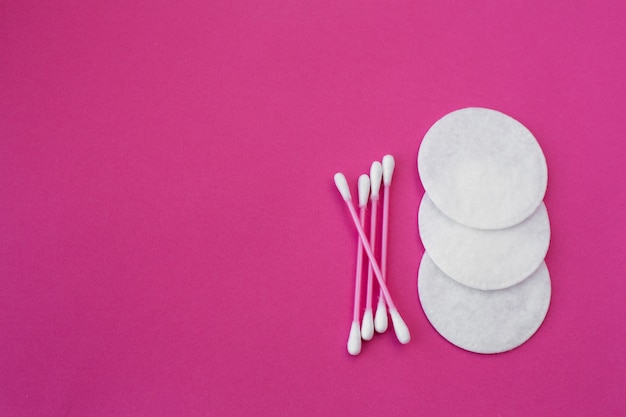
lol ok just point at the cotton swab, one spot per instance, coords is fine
(380, 321)
(400, 328)
(376, 175)
(354, 340)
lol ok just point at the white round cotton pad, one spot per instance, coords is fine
(484, 259)
(483, 321)
(482, 168)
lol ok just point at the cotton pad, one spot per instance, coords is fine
(482, 168)
(484, 259)
(483, 321)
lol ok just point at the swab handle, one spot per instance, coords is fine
(370, 254)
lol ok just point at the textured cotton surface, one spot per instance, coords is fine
(484, 259)
(482, 168)
(483, 321)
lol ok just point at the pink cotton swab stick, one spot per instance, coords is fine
(354, 340)
(380, 321)
(376, 175)
(400, 328)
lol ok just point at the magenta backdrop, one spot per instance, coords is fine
(171, 241)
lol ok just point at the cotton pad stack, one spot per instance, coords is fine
(483, 282)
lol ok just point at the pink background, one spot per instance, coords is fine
(171, 242)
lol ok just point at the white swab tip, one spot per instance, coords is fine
(354, 340)
(342, 186)
(367, 327)
(381, 322)
(376, 176)
(389, 165)
(364, 190)
(400, 328)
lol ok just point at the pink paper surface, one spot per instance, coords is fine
(171, 241)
